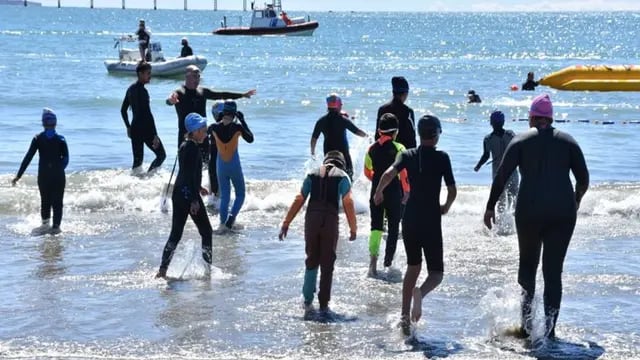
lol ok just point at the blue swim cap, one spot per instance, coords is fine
(194, 121)
(49, 118)
(497, 118)
(217, 108)
(230, 107)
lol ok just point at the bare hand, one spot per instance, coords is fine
(249, 93)
(283, 232)
(204, 191)
(156, 142)
(378, 197)
(14, 181)
(476, 168)
(173, 98)
(489, 218)
(352, 235)
(195, 207)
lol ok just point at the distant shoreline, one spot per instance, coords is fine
(19, 3)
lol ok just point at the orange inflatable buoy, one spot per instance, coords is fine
(514, 87)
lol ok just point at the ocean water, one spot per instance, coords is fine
(90, 292)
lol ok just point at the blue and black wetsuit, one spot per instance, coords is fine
(142, 127)
(406, 122)
(333, 127)
(54, 157)
(494, 145)
(546, 209)
(229, 169)
(421, 224)
(186, 191)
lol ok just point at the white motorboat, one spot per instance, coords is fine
(270, 20)
(129, 59)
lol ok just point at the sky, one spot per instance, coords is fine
(378, 5)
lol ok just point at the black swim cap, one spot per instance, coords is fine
(429, 127)
(335, 158)
(388, 123)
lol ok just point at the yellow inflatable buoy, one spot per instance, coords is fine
(595, 78)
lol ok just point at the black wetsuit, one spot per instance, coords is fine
(186, 51)
(142, 127)
(494, 145)
(406, 122)
(530, 85)
(474, 98)
(421, 223)
(54, 157)
(333, 127)
(186, 190)
(144, 39)
(195, 100)
(546, 207)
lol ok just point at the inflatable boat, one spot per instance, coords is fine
(595, 78)
(129, 59)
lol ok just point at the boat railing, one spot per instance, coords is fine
(223, 23)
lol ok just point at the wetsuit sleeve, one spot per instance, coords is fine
(220, 95)
(349, 125)
(317, 129)
(64, 152)
(298, 202)
(368, 165)
(485, 153)
(449, 180)
(344, 188)
(376, 136)
(124, 109)
(247, 135)
(28, 156)
(580, 171)
(412, 129)
(189, 167)
(506, 168)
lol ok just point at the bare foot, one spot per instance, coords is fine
(416, 306)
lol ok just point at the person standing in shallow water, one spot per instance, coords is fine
(325, 188)
(142, 129)
(494, 145)
(186, 198)
(54, 158)
(547, 206)
(333, 127)
(422, 221)
(404, 114)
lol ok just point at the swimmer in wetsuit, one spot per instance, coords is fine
(325, 188)
(472, 97)
(227, 133)
(404, 114)
(531, 84)
(186, 198)
(547, 205)
(422, 221)
(494, 145)
(54, 158)
(380, 156)
(191, 97)
(142, 129)
(333, 127)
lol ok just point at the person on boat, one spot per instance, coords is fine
(142, 129)
(472, 97)
(530, 84)
(144, 39)
(191, 97)
(333, 126)
(54, 158)
(404, 114)
(186, 49)
(185, 197)
(229, 170)
(285, 18)
(325, 187)
(494, 146)
(379, 157)
(547, 206)
(422, 221)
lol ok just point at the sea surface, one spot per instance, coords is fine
(90, 292)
